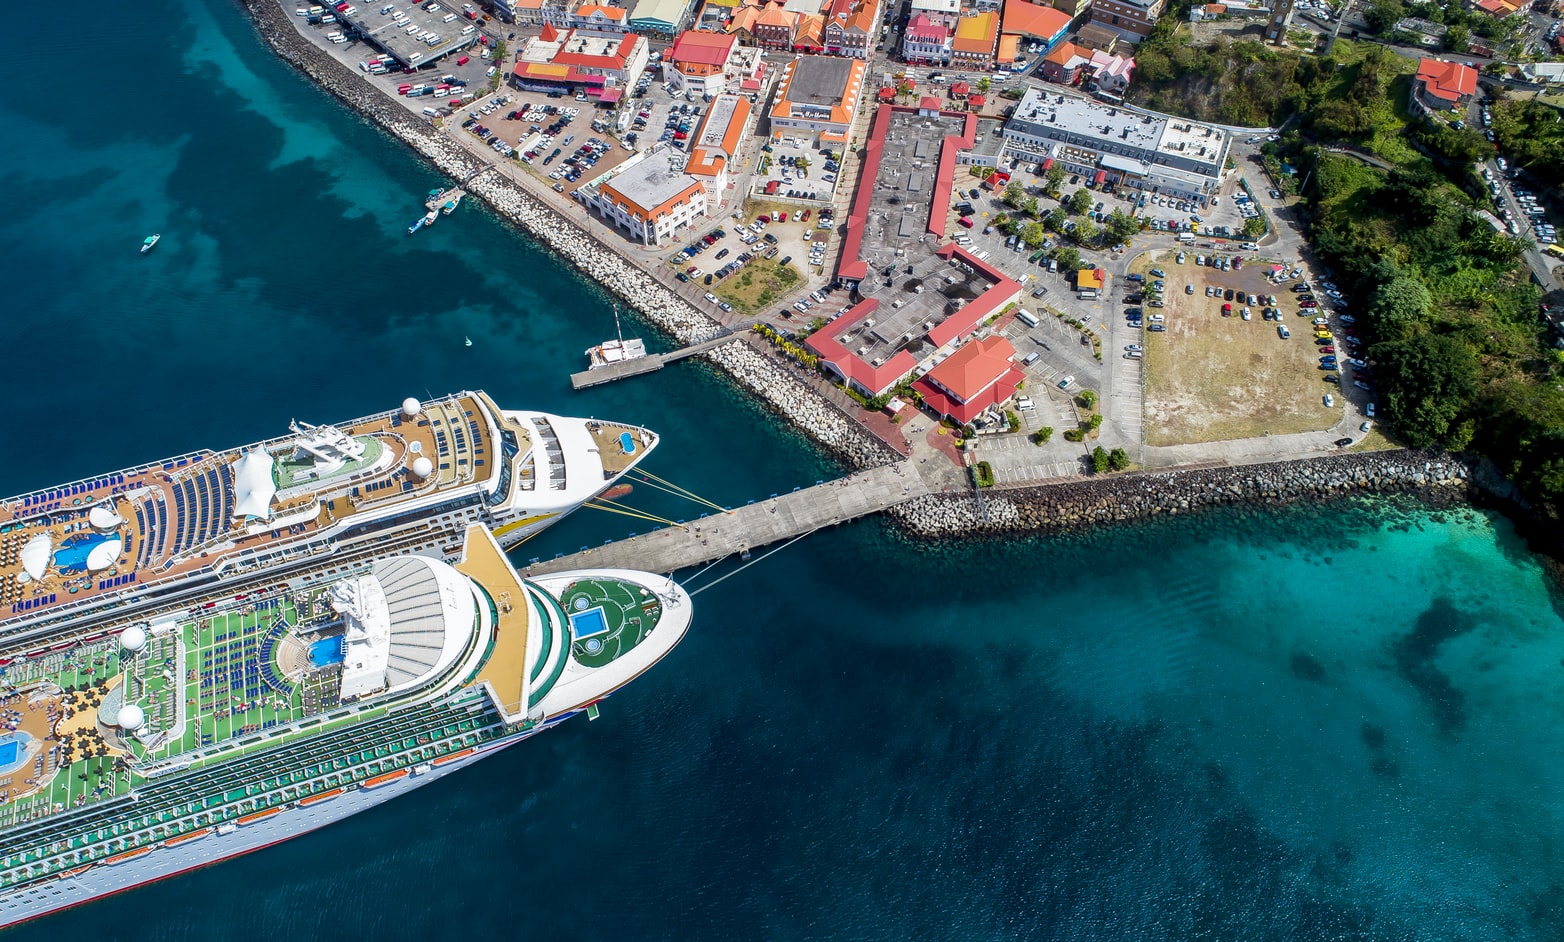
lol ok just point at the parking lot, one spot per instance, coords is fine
(715, 259)
(791, 170)
(1244, 373)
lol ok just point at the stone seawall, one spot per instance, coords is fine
(1063, 508)
(812, 413)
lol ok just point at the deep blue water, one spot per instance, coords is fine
(1340, 724)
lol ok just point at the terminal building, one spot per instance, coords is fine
(649, 197)
(1113, 146)
(918, 301)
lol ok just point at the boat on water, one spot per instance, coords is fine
(139, 539)
(618, 491)
(451, 204)
(198, 618)
(416, 226)
(149, 242)
(617, 350)
(431, 216)
(422, 666)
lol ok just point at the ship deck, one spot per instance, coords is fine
(171, 519)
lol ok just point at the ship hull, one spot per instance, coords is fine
(103, 880)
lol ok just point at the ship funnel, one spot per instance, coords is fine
(411, 407)
(422, 467)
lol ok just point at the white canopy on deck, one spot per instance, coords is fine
(253, 485)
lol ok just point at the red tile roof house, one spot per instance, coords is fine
(875, 379)
(978, 375)
(1440, 86)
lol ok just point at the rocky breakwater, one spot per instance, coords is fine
(1098, 501)
(815, 415)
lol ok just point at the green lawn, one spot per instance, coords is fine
(758, 285)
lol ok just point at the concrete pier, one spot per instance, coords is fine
(752, 526)
(650, 363)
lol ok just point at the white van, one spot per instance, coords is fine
(431, 112)
(1026, 317)
(1029, 359)
(442, 92)
(469, 30)
(1090, 294)
(1186, 237)
(448, 17)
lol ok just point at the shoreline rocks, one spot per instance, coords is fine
(1093, 502)
(808, 411)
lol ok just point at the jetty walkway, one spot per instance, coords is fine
(650, 363)
(757, 524)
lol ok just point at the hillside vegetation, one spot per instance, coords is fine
(1459, 357)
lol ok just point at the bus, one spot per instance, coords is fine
(1554, 251)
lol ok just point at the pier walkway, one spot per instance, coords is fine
(650, 363)
(754, 525)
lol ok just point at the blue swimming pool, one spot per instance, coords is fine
(326, 651)
(627, 442)
(13, 751)
(589, 623)
(72, 554)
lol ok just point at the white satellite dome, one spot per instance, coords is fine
(422, 467)
(411, 406)
(133, 639)
(130, 718)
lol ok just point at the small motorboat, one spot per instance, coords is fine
(149, 241)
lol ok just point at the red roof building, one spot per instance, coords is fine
(1440, 85)
(978, 375)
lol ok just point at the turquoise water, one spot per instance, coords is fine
(1339, 724)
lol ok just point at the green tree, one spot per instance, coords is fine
(1458, 38)
(1118, 459)
(984, 84)
(1056, 219)
(1033, 234)
(1055, 176)
(1014, 194)
(1067, 257)
(1080, 201)
(1094, 421)
(1122, 226)
(1399, 305)
(1254, 227)
(1087, 399)
(802, 163)
(1029, 206)
(1384, 14)
(1085, 231)
(1099, 460)
(1426, 382)
(1042, 435)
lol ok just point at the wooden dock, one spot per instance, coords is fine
(754, 525)
(650, 363)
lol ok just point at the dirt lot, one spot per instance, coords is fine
(1214, 378)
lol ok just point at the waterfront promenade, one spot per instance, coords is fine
(757, 524)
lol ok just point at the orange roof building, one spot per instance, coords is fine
(975, 41)
(648, 200)
(1031, 22)
(717, 142)
(817, 98)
